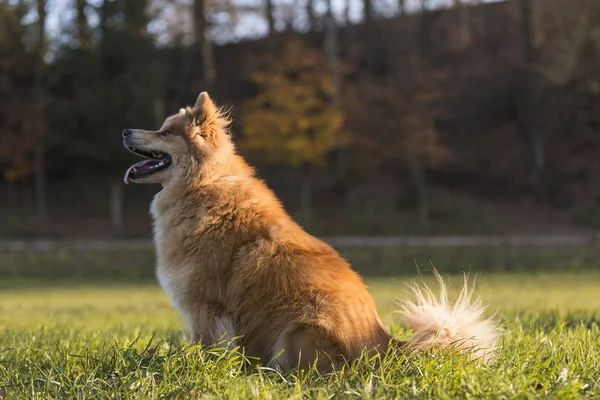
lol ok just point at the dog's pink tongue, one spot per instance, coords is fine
(135, 167)
(127, 173)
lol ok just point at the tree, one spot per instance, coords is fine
(83, 30)
(270, 16)
(40, 168)
(563, 106)
(136, 17)
(94, 94)
(332, 52)
(368, 10)
(402, 110)
(292, 120)
(21, 119)
(402, 7)
(203, 40)
(527, 123)
(347, 12)
(463, 30)
(310, 13)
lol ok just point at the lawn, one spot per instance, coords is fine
(103, 337)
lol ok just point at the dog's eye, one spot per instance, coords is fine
(165, 133)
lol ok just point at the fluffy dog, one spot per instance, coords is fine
(237, 266)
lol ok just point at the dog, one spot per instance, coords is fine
(238, 268)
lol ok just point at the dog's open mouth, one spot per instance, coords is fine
(155, 161)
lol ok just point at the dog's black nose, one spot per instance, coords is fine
(127, 132)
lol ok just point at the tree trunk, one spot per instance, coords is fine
(159, 111)
(534, 136)
(202, 38)
(40, 167)
(271, 17)
(104, 15)
(136, 17)
(306, 194)
(332, 52)
(347, 12)
(40, 182)
(310, 13)
(83, 29)
(464, 24)
(420, 182)
(402, 7)
(41, 27)
(424, 29)
(288, 22)
(368, 10)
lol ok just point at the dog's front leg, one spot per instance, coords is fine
(210, 324)
(202, 321)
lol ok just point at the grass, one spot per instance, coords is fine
(93, 336)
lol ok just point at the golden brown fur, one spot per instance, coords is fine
(236, 265)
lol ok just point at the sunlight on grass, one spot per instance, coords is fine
(126, 341)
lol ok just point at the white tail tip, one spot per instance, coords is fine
(438, 323)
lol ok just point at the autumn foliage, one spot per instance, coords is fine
(392, 121)
(292, 119)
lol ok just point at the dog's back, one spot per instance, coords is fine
(299, 297)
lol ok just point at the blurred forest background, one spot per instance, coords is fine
(367, 117)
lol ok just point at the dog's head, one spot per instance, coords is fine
(186, 143)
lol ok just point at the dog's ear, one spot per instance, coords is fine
(213, 122)
(204, 106)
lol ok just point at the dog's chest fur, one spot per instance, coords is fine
(174, 278)
(179, 272)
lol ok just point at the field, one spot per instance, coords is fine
(72, 329)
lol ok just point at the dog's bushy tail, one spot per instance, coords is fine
(438, 323)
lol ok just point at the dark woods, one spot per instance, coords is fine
(351, 118)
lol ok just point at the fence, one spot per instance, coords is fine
(338, 242)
